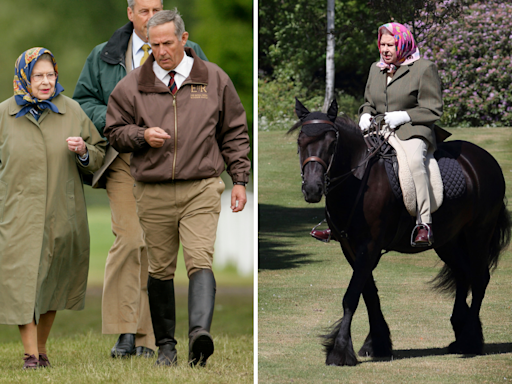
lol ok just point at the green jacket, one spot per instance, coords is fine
(44, 235)
(103, 69)
(415, 89)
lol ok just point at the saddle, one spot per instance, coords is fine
(446, 179)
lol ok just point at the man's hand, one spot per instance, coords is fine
(238, 196)
(156, 136)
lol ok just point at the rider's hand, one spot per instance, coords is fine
(396, 119)
(365, 121)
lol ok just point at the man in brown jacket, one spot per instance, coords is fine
(183, 122)
(125, 306)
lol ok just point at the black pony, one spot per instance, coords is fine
(367, 219)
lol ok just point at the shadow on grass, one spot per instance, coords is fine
(489, 349)
(279, 227)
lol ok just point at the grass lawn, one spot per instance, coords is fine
(81, 354)
(301, 283)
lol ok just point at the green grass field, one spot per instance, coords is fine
(81, 354)
(301, 283)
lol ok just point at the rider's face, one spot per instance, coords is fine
(388, 49)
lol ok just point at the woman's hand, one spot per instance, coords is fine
(77, 145)
(365, 121)
(396, 119)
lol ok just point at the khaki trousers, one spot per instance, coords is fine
(181, 211)
(125, 307)
(416, 152)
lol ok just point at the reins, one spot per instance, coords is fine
(374, 141)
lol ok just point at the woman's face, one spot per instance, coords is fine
(388, 48)
(43, 80)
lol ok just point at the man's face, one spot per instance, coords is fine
(141, 13)
(168, 49)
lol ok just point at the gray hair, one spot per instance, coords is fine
(164, 17)
(131, 3)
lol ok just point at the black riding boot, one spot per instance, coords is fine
(163, 316)
(201, 301)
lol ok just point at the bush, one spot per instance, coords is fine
(276, 103)
(473, 56)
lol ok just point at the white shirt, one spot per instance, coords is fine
(137, 51)
(182, 71)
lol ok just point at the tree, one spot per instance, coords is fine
(329, 57)
(419, 15)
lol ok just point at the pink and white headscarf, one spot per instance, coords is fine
(407, 51)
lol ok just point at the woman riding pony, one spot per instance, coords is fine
(407, 90)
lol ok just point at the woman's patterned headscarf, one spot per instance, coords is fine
(22, 87)
(407, 51)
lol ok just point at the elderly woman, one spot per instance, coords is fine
(46, 144)
(407, 89)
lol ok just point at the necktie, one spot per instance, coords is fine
(145, 48)
(172, 84)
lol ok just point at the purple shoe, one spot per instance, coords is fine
(43, 361)
(31, 362)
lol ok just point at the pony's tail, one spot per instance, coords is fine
(445, 281)
(501, 237)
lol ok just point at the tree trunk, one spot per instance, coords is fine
(329, 57)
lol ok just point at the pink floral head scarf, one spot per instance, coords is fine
(407, 51)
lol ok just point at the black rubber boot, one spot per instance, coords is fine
(163, 316)
(201, 301)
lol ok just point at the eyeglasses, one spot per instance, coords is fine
(38, 77)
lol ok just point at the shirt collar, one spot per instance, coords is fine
(137, 43)
(183, 68)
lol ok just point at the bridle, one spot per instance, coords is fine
(317, 159)
(374, 141)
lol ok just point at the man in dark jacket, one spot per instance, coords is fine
(125, 308)
(183, 122)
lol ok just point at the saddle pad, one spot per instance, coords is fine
(454, 182)
(407, 183)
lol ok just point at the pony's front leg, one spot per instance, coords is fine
(338, 344)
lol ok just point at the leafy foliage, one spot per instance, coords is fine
(276, 103)
(474, 61)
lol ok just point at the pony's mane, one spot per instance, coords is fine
(342, 122)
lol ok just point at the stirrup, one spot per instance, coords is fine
(317, 238)
(429, 235)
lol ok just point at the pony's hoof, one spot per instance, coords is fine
(366, 351)
(458, 348)
(341, 359)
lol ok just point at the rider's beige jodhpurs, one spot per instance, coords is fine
(416, 152)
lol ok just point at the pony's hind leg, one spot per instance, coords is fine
(378, 342)
(454, 277)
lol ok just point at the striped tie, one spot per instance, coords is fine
(172, 84)
(145, 48)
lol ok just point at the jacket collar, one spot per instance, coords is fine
(114, 51)
(58, 101)
(148, 82)
(401, 71)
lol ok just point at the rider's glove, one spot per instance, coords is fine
(396, 119)
(365, 121)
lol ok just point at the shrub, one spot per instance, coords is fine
(473, 56)
(276, 103)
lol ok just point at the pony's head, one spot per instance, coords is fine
(316, 145)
